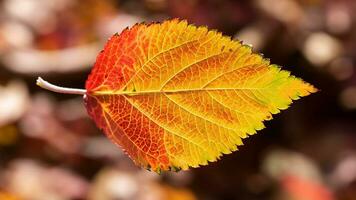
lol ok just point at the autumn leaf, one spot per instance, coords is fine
(175, 96)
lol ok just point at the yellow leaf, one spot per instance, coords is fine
(176, 96)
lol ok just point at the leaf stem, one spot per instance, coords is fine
(48, 86)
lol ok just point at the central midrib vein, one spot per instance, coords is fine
(110, 92)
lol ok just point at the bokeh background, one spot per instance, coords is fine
(51, 150)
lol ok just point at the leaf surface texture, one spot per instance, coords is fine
(175, 96)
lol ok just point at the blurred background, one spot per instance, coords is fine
(51, 150)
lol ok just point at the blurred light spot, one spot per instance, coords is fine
(122, 186)
(41, 122)
(252, 36)
(21, 9)
(338, 19)
(348, 97)
(345, 172)
(32, 61)
(22, 37)
(14, 100)
(281, 163)
(341, 68)
(111, 183)
(32, 124)
(32, 180)
(321, 48)
(298, 188)
(28, 12)
(287, 11)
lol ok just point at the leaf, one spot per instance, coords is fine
(175, 96)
